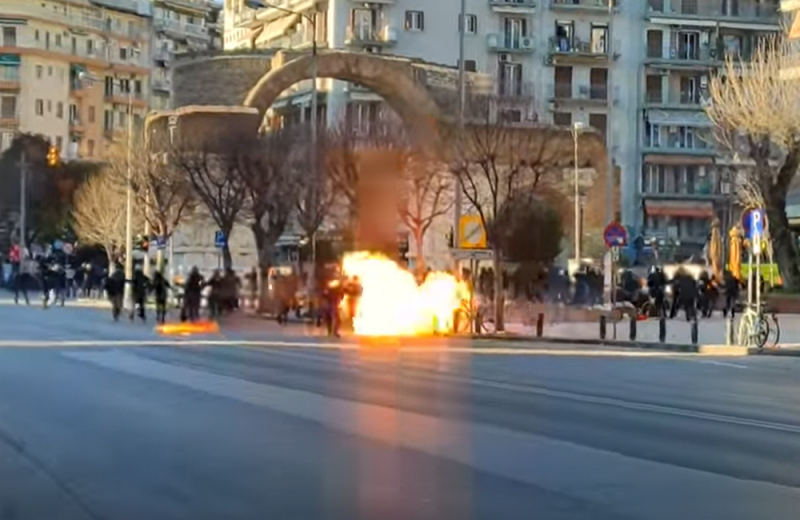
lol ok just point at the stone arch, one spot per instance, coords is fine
(391, 78)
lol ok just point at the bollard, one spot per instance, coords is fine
(729, 330)
(662, 329)
(540, 325)
(632, 334)
(602, 326)
(694, 331)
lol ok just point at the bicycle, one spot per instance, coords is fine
(465, 316)
(756, 328)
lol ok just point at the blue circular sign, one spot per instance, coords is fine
(615, 234)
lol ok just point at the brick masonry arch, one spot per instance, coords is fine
(392, 79)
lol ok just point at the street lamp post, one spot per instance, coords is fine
(312, 19)
(576, 130)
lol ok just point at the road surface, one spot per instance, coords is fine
(107, 421)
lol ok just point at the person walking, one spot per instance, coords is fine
(192, 295)
(115, 289)
(160, 290)
(139, 288)
(214, 295)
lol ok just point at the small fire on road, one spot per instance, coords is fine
(392, 303)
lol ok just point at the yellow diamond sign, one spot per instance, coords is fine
(471, 233)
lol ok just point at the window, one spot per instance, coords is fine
(39, 107)
(562, 118)
(59, 142)
(599, 123)
(363, 23)
(654, 44)
(690, 93)
(9, 36)
(415, 21)
(60, 110)
(90, 147)
(73, 113)
(90, 47)
(36, 35)
(39, 71)
(49, 106)
(652, 137)
(565, 32)
(598, 83)
(469, 65)
(58, 40)
(510, 76)
(472, 24)
(74, 45)
(137, 86)
(653, 88)
(563, 77)
(47, 39)
(514, 30)
(8, 107)
(108, 120)
(121, 118)
(49, 70)
(109, 90)
(123, 53)
(91, 114)
(688, 45)
(599, 39)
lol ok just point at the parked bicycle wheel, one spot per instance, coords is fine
(773, 330)
(746, 327)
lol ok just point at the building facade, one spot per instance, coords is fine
(179, 27)
(635, 70)
(69, 68)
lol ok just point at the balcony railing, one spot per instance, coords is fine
(746, 11)
(181, 29)
(506, 42)
(513, 3)
(9, 74)
(73, 17)
(371, 36)
(577, 46)
(592, 5)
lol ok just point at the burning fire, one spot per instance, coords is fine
(393, 304)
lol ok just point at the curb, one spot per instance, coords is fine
(640, 345)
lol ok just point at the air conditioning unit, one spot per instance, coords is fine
(548, 60)
(372, 49)
(504, 57)
(526, 43)
(704, 82)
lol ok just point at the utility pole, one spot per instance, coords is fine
(609, 132)
(462, 94)
(128, 295)
(23, 204)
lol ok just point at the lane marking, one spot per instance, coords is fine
(719, 363)
(500, 351)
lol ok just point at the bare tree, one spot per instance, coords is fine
(428, 195)
(267, 169)
(213, 168)
(163, 191)
(316, 193)
(496, 161)
(755, 109)
(98, 217)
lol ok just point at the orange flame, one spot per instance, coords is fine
(393, 304)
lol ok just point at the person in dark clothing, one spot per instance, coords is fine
(140, 285)
(707, 295)
(731, 285)
(333, 296)
(193, 293)
(46, 279)
(160, 290)
(19, 279)
(214, 295)
(115, 289)
(656, 285)
(59, 283)
(232, 284)
(685, 294)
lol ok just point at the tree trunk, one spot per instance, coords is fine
(418, 240)
(264, 251)
(227, 259)
(784, 245)
(160, 260)
(499, 295)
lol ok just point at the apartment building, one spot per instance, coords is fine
(180, 26)
(685, 180)
(68, 69)
(635, 70)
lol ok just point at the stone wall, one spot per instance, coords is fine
(218, 80)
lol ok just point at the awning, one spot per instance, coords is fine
(9, 59)
(278, 28)
(677, 160)
(697, 22)
(794, 31)
(678, 117)
(679, 208)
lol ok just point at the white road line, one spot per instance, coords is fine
(719, 363)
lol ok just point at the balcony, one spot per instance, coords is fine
(509, 43)
(76, 125)
(119, 97)
(162, 84)
(576, 51)
(75, 17)
(162, 55)
(585, 6)
(562, 93)
(200, 7)
(9, 77)
(513, 6)
(670, 144)
(9, 121)
(689, 58)
(181, 30)
(372, 37)
(675, 100)
(748, 14)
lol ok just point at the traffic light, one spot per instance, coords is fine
(53, 156)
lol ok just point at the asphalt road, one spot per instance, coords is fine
(103, 420)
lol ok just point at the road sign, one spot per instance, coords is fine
(471, 232)
(615, 234)
(747, 221)
(220, 239)
(472, 254)
(161, 242)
